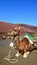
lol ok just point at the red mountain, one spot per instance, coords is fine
(5, 27)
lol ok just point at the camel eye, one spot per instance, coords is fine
(14, 30)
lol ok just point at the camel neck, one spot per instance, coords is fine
(16, 39)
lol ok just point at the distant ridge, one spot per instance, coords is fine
(5, 27)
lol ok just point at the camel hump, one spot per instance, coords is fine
(29, 38)
(25, 40)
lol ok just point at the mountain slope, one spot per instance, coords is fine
(5, 27)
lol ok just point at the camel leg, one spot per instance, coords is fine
(25, 55)
(17, 54)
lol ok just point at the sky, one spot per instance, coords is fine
(19, 11)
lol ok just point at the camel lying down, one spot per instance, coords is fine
(24, 46)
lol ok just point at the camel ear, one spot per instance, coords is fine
(19, 28)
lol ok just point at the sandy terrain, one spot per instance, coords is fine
(4, 49)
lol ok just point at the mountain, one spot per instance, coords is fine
(5, 27)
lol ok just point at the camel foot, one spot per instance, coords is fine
(26, 54)
(17, 54)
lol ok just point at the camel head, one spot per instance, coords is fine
(15, 31)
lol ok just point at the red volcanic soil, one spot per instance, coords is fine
(5, 27)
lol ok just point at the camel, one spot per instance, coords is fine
(24, 47)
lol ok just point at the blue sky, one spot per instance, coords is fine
(19, 11)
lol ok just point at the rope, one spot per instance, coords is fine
(9, 59)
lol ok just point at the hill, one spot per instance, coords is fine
(5, 27)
